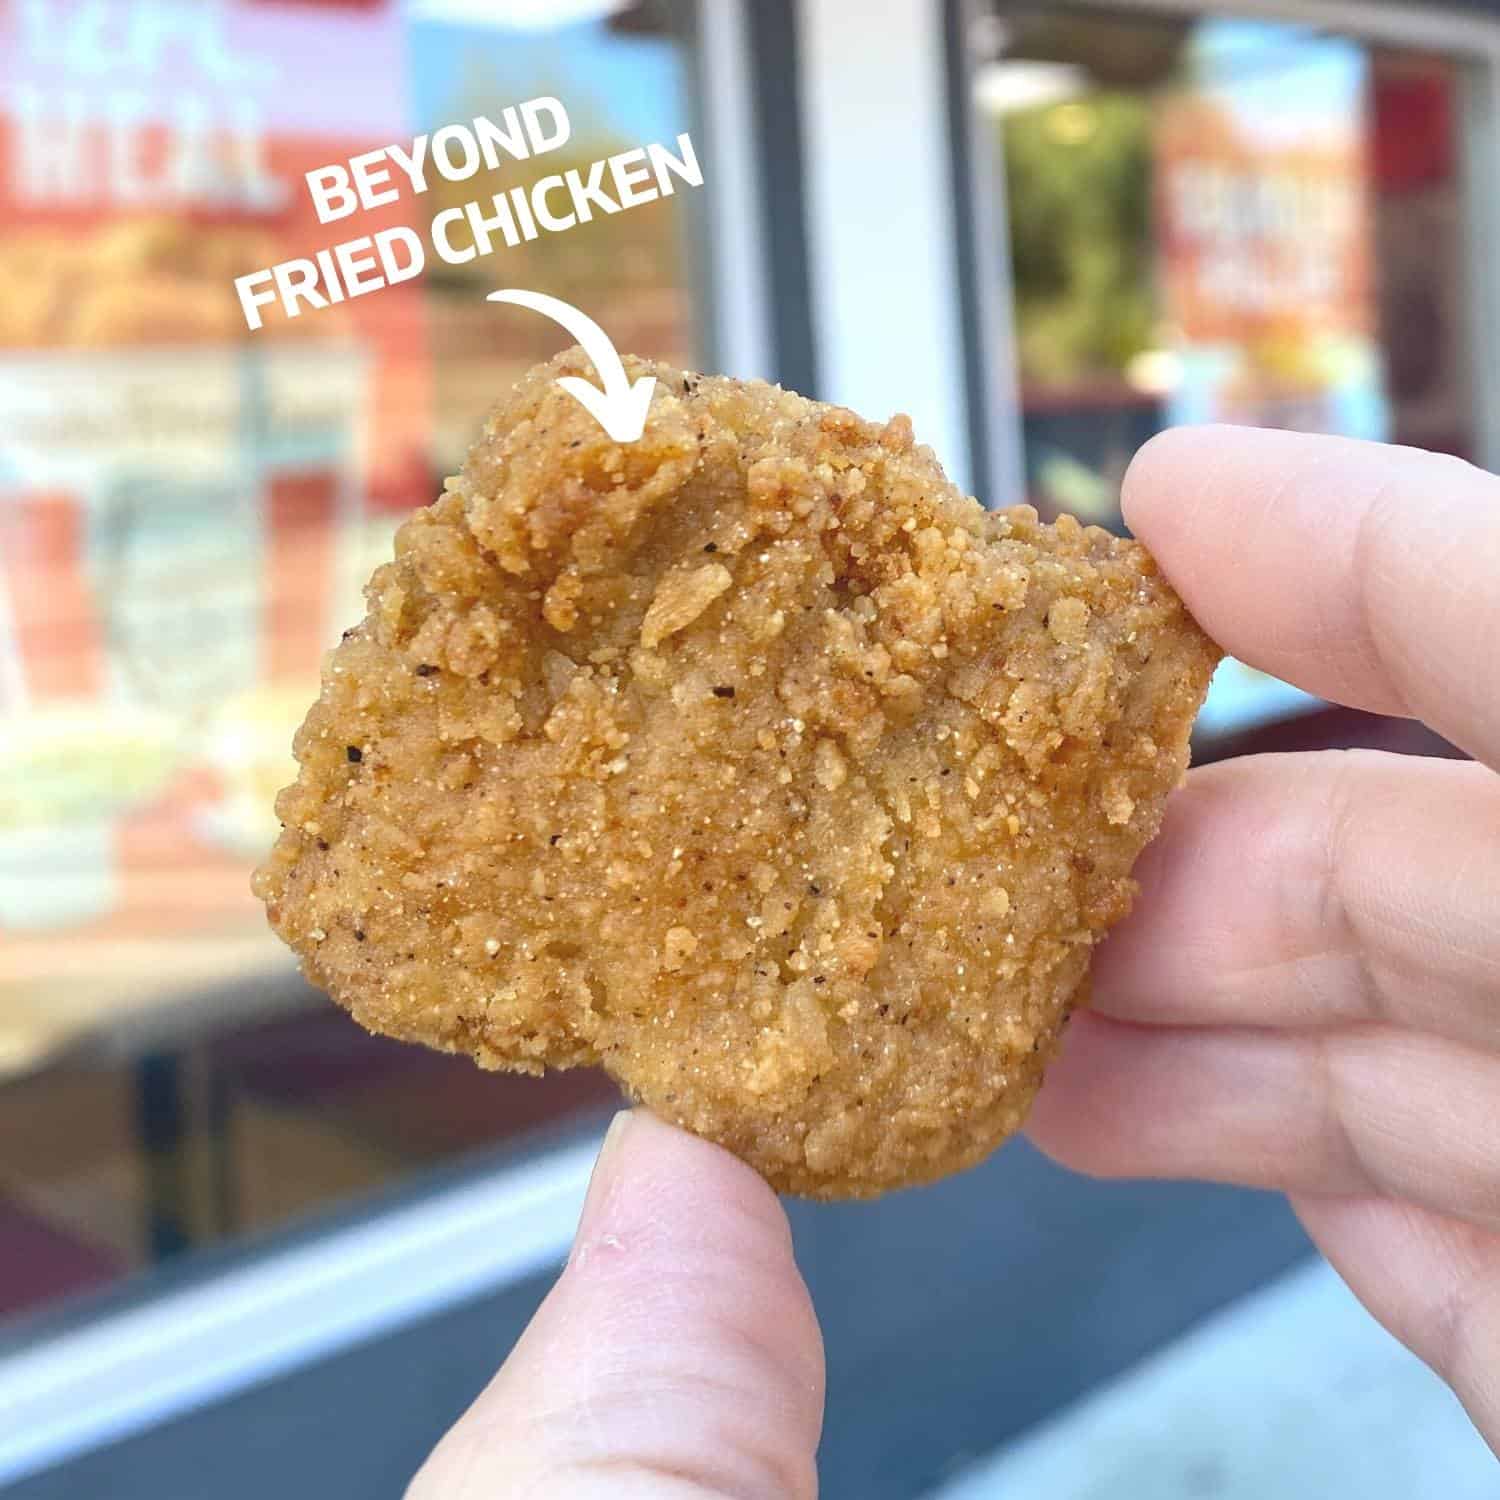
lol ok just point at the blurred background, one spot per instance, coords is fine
(233, 1224)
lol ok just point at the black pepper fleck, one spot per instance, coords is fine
(426, 669)
(724, 691)
(354, 753)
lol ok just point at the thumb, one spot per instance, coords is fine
(676, 1358)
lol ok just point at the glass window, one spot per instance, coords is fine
(1218, 218)
(187, 515)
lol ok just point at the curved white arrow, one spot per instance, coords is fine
(620, 408)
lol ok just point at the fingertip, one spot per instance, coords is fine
(652, 1172)
(1163, 475)
(1134, 1101)
(676, 1222)
(667, 1206)
(1065, 1123)
(679, 1343)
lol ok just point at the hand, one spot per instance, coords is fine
(1307, 996)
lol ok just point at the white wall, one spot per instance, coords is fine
(881, 217)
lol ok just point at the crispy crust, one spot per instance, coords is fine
(751, 760)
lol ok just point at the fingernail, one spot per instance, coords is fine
(604, 1168)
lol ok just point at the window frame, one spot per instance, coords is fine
(1469, 39)
(883, 219)
(162, 1345)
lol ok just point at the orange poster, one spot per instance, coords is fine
(1265, 232)
(186, 509)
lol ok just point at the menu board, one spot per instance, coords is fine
(186, 510)
(189, 508)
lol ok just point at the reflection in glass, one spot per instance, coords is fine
(188, 513)
(1221, 219)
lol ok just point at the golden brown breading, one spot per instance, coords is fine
(751, 760)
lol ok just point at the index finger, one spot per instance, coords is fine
(1367, 574)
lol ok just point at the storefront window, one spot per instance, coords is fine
(187, 514)
(1214, 218)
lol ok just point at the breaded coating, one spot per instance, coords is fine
(752, 761)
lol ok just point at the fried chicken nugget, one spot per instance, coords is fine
(750, 760)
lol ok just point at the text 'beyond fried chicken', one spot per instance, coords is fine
(750, 760)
